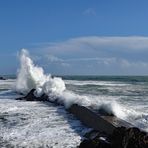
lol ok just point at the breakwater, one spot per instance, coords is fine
(108, 131)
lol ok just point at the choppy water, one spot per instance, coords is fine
(35, 124)
(130, 92)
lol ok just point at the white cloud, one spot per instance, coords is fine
(133, 64)
(95, 59)
(92, 43)
(131, 42)
(110, 55)
(53, 58)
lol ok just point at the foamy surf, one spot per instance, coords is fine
(108, 97)
(21, 119)
(34, 124)
(31, 76)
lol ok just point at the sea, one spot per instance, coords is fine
(40, 124)
(26, 124)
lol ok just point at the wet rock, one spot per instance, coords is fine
(20, 98)
(103, 112)
(117, 137)
(87, 143)
(94, 144)
(92, 134)
(31, 97)
(121, 138)
(2, 78)
(129, 138)
(105, 133)
(95, 139)
(44, 97)
(99, 142)
(103, 143)
(135, 138)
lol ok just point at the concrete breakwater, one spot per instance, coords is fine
(108, 131)
(97, 121)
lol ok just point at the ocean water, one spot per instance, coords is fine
(37, 124)
(43, 124)
(125, 96)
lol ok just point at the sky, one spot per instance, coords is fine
(76, 37)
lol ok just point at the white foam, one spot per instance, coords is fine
(99, 83)
(34, 124)
(7, 84)
(32, 76)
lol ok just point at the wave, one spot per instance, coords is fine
(95, 83)
(32, 76)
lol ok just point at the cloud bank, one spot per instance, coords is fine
(98, 55)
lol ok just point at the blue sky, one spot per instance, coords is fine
(101, 37)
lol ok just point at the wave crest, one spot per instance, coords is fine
(31, 76)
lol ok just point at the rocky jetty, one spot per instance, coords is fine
(120, 138)
(108, 130)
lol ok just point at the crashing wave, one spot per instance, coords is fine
(31, 76)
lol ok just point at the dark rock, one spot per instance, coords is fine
(117, 137)
(2, 78)
(92, 134)
(20, 93)
(98, 142)
(87, 143)
(103, 112)
(121, 137)
(129, 138)
(21, 98)
(95, 139)
(103, 143)
(44, 97)
(135, 138)
(31, 97)
(109, 131)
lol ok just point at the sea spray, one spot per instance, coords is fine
(31, 76)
